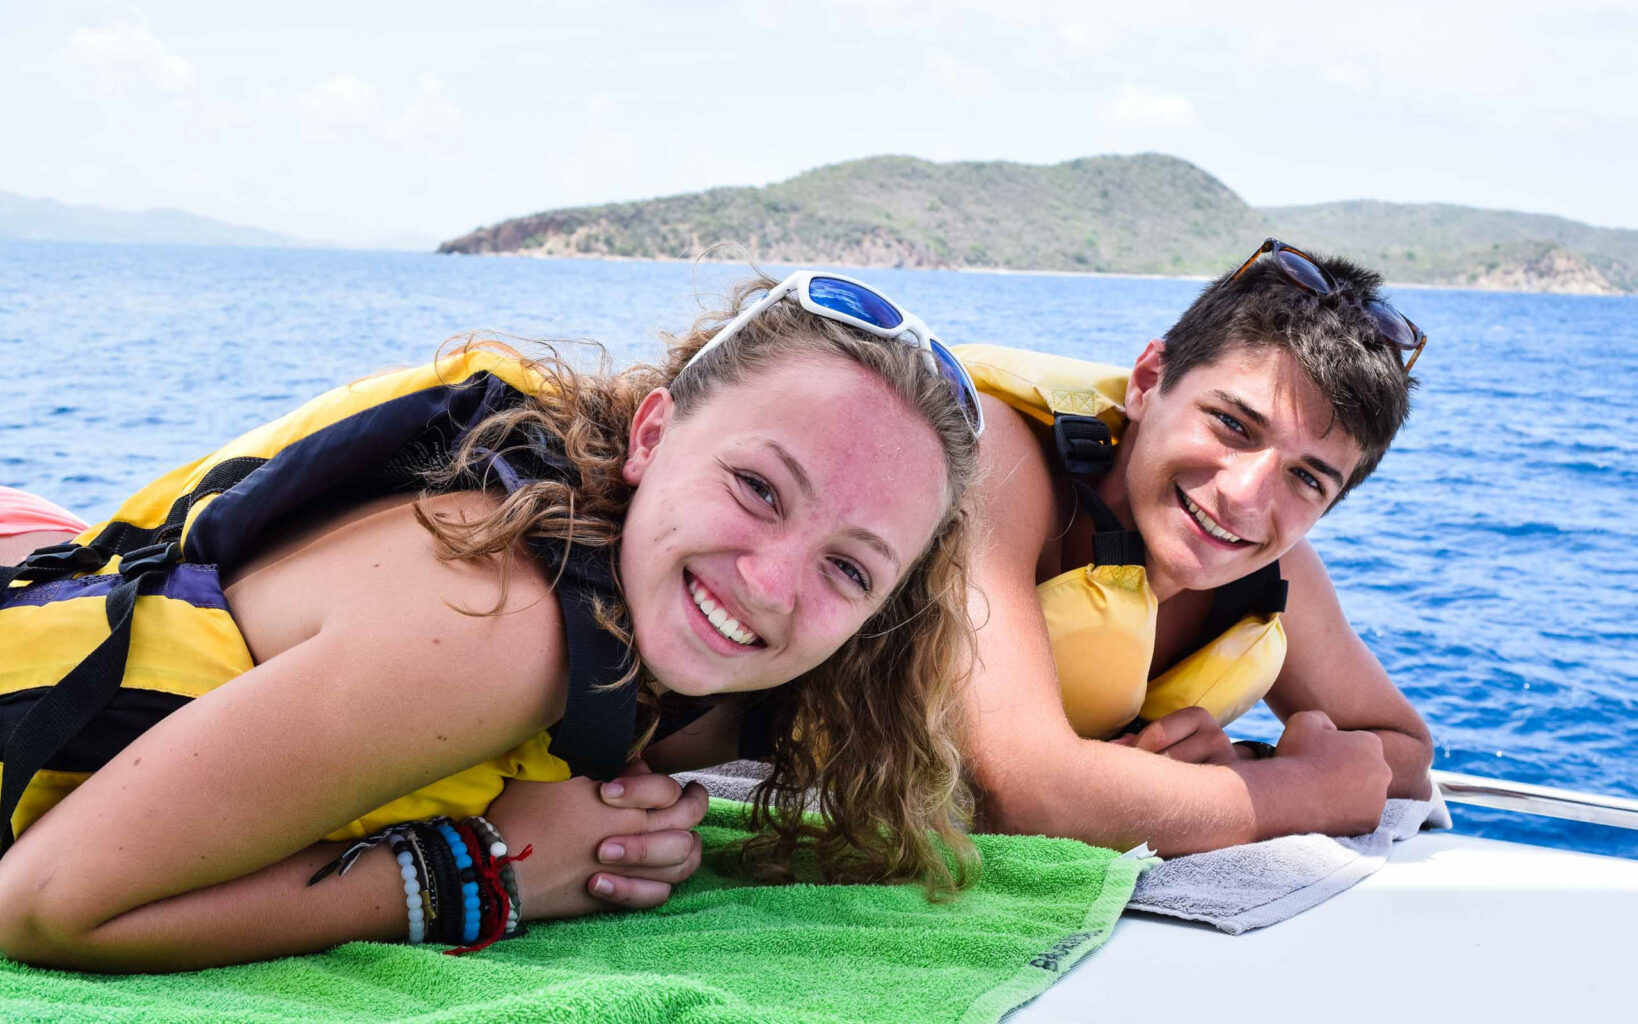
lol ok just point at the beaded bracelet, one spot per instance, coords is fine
(458, 882)
(491, 837)
(468, 892)
(491, 921)
(429, 887)
(414, 886)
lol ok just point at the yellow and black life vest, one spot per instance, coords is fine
(103, 637)
(1101, 617)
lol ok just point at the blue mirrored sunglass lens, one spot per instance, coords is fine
(961, 385)
(855, 301)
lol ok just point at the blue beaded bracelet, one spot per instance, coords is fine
(470, 913)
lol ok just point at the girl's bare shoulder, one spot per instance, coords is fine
(373, 572)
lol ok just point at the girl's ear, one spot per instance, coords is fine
(648, 426)
(1144, 380)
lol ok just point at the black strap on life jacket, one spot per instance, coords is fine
(1086, 450)
(69, 706)
(1260, 593)
(594, 736)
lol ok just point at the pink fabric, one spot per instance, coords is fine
(22, 512)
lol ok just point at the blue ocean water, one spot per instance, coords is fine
(1491, 563)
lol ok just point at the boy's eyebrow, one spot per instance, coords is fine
(1314, 462)
(1239, 403)
(1324, 469)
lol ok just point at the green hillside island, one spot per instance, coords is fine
(1143, 214)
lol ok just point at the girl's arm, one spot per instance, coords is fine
(710, 740)
(193, 845)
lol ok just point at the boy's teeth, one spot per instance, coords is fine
(1206, 523)
(718, 617)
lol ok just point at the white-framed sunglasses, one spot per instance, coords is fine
(860, 306)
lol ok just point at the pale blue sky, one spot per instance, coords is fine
(358, 121)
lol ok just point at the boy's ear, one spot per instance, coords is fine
(648, 428)
(1145, 379)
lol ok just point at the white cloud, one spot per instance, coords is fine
(1348, 74)
(1138, 105)
(123, 55)
(341, 100)
(431, 121)
(346, 107)
(960, 79)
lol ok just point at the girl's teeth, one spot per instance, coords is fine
(718, 616)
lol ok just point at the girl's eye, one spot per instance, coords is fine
(759, 487)
(852, 571)
(1230, 422)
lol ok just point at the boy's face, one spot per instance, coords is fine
(1230, 466)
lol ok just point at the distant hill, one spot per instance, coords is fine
(50, 220)
(1144, 214)
(1438, 243)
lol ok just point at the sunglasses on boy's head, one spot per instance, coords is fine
(1305, 272)
(860, 306)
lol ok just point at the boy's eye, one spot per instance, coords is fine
(761, 488)
(1230, 422)
(1311, 480)
(852, 571)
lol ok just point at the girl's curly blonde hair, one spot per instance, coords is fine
(865, 766)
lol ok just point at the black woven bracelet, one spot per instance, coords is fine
(449, 886)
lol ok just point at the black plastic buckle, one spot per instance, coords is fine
(66, 557)
(152, 558)
(1084, 444)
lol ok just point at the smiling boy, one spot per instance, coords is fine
(1141, 575)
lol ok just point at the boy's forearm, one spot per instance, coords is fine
(1410, 755)
(1117, 797)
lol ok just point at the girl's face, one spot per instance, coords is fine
(772, 522)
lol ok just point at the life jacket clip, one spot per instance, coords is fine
(1084, 444)
(67, 557)
(152, 558)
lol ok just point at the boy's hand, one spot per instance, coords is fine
(1189, 734)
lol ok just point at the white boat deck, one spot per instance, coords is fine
(1452, 929)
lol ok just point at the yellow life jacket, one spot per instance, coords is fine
(1101, 617)
(103, 637)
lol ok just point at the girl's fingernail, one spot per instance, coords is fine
(611, 852)
(613, 790)
(602, 887)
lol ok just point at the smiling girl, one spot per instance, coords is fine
(440, 593)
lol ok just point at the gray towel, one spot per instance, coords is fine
(1259, 884)
(731, 781)
(1234, 889)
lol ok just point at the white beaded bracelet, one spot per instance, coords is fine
(414, 902)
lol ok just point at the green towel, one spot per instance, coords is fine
(719, 951)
